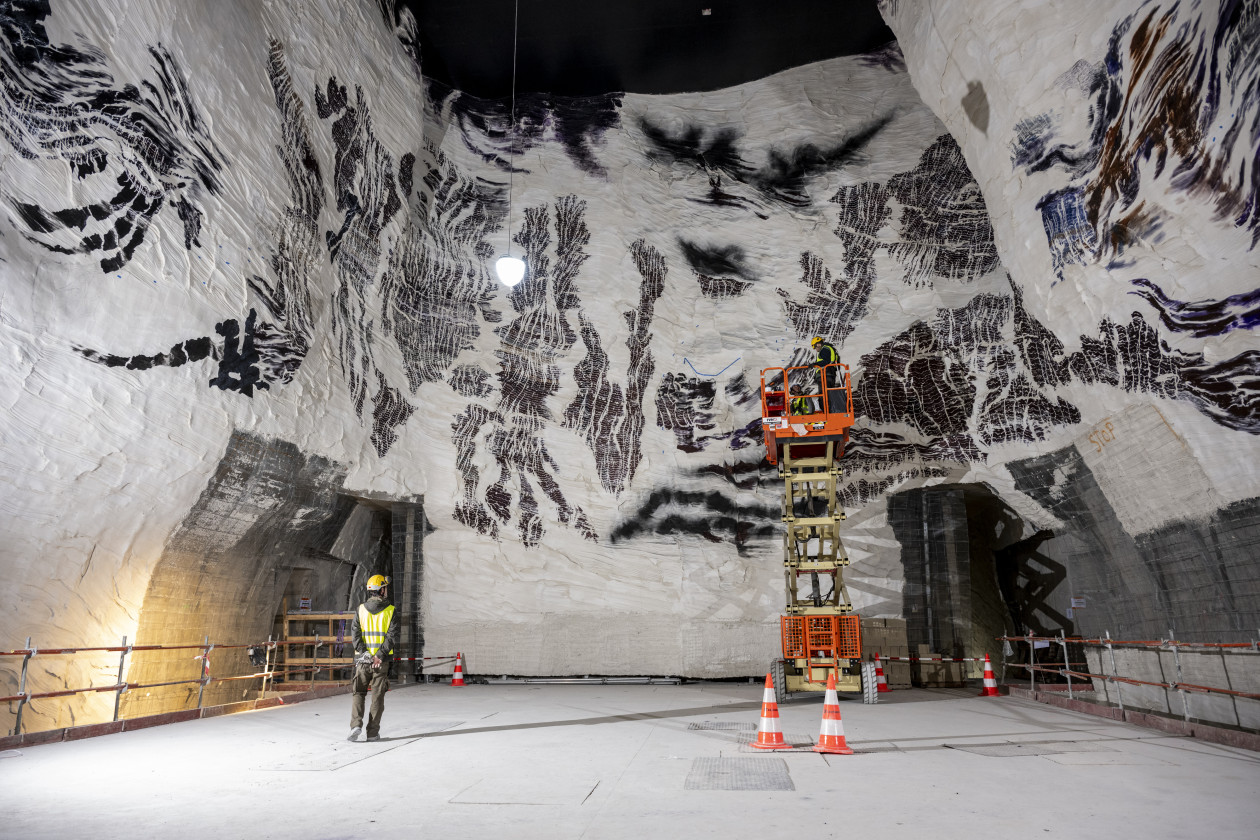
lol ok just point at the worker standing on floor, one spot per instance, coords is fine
(375, 633)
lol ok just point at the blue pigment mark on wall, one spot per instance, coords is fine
(1202, 318)
(688, 363)
(1072, 239)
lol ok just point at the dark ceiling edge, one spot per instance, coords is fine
(568, 48)
(887, 55)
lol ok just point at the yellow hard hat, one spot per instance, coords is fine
(377, 582)
(815, 341)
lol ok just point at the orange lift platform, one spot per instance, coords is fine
(806, 427)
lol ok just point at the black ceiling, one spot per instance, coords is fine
(589, 47)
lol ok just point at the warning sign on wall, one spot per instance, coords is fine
(1078, 603)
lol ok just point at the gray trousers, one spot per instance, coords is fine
(378, 682)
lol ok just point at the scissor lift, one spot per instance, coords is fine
(806, 427)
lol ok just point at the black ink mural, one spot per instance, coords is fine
(435, 292)
(486, 128)
(285, 339)
(786, 175)
(835, 304)
(236, 354)
(1015, 410)
(712, 515)
(269, 351)
(722, 270)
(192, 350)
(945, 228)
(469, 429)
(888, 57)
(385, 247)
(531, 345)
(398, 17)
(366, 185)
(611, 418)
(133, 149)
(684, 405)
(782, 181)
(698, 149)
(1132, 356)
(238, 362)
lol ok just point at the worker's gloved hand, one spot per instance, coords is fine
(376, 663)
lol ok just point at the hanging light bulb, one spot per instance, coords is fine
(511, 270)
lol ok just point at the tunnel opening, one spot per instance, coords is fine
(975, 571)
(387, 538)
(273, 527)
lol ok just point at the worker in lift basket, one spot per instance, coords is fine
(828, 355)
(374, 632)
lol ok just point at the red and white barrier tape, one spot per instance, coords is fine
(450, 658)
(927, 659)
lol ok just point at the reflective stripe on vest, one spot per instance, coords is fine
(373, 627)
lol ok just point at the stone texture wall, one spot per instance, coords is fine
(1116, 148)
(234, 222)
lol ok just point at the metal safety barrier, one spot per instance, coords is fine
(120, 686)
(1109, 644)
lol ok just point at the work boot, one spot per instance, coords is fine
(354, 734)
(374, 737)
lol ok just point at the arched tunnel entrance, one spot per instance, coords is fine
(974, 570)
(274, 530)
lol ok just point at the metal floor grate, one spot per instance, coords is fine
(723, 726)
(752, 773)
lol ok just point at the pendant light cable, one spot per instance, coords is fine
(511, 270)
(516, 18)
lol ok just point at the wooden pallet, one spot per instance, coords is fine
(300, 633)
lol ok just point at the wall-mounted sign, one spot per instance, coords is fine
(304, 604)
(1078, 603)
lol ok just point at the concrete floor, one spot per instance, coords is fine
(588, 761)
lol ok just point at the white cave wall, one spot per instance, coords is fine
(114, 467)
(1117, 148)
(102, 464)
(586, 446)
(1033, 71)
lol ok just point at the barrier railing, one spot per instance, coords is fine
(1109, 645)
(265, 650)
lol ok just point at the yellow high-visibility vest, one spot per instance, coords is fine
(374, 626)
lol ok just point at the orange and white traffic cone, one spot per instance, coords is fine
(769, 735)
(458, 677)
(831, 739)
(990, 682)
(880, 680)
